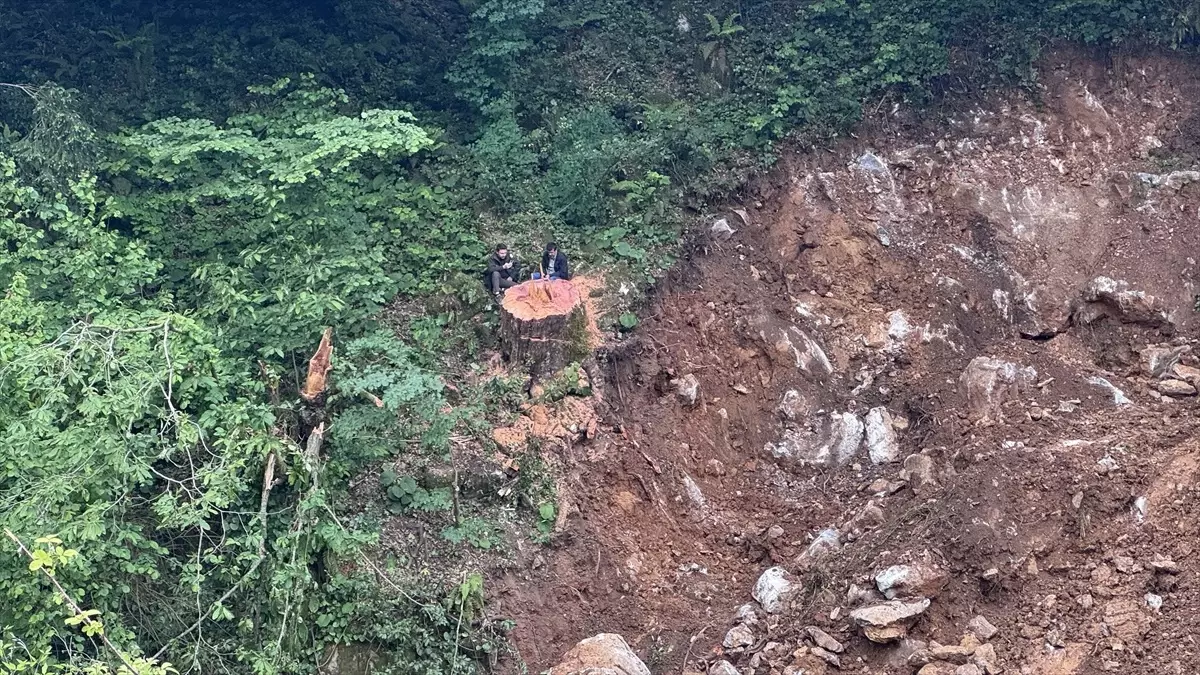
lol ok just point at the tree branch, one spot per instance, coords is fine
(268, 480)
(62, 592)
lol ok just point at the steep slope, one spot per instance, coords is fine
(904, 346)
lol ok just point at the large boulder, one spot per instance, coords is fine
(605, 654)
(1106, 297)
(988, 382)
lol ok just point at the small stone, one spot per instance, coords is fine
(985, 657)
(738, 637)
(1187, 374)
(720, 230)
(938, 668)
(1154, 601)
(1162, 565)
(824, 640)
(982, 628)
(687, 388)
(1175, 388)
(955, 654)
(1085, 601)
(918, 470)
(722, 668)
(746, 614)
(968, 669)
(826, 656)
(774, 532)
(1106, 465)
(1127, 565)
(792, 406)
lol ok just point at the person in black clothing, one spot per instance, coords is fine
(554, 263)
(502, 270)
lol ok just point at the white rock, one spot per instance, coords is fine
(605, 654)
(1154, 601)
(882, 445)
(833, 443)
(773, 589)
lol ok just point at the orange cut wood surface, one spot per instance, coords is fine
(539, 299)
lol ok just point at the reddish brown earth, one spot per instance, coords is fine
(997, 218)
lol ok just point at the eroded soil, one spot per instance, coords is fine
(1051, 235)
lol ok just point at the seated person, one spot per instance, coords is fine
(554, 263)
(502, 270)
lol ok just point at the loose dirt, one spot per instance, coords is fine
(1051, 235)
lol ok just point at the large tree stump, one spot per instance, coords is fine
(538, 322)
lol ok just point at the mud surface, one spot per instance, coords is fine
(1057, 240)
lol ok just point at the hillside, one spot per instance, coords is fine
(881, 321)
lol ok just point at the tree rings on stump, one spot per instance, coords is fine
(538, 322)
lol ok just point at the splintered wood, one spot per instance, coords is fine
(535, 319)
(318, 368)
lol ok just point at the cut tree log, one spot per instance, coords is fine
(538, 321)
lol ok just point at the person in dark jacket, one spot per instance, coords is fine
(554, 263)
(502, 270)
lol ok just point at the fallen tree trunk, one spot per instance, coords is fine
(538, 324)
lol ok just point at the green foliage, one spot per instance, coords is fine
(405, 494)
(628, 321)
(477, 532)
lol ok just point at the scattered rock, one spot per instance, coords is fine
(1162, 565)
(1154, 601)
(824, 640)
(746, 614)
(918, 579)
(833, 445)
(1106, 465)
(882, 445)
(721, 231)
(988, 382)
(828, 657)
(889, 621)
(1127, 565)
(792, 406)
(985, 658)
(956, 654)
(827, 542)
(687, 388)
(1158, 361)
(938, 668)
(918, 471)
(884, 487)
(1125, 619)
(1187, 374)
(738, 637)
(1118, 396)
(968, 669)
(1106, 297)
(1175, 388)
(722, 668)
(773, 589)
(982, 628)
(604, 654)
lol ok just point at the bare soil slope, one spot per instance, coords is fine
(905, 346)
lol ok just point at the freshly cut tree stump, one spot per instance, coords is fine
(537, 320)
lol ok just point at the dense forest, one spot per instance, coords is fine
(191, 193)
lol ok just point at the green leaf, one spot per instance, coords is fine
(628, 320)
